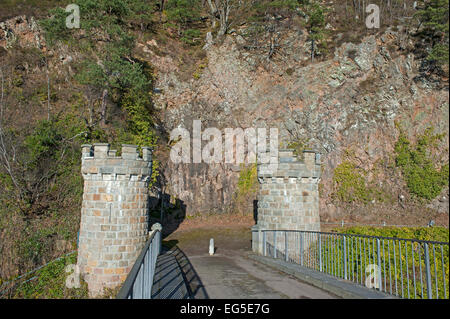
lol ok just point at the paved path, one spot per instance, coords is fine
(233, 275)
(230, 273)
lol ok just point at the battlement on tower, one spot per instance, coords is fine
(291, 167)
(101, 163)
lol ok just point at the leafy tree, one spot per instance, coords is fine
(183, 11)
(315, 24)
(434, 17)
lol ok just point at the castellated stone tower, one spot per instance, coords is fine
(288, 197)
(114, 214)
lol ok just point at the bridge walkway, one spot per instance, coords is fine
(228, 275)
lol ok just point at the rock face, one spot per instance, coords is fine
(349, 103)
(22, 30)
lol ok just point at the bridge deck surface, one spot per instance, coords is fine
(236, 276)
(230, 273)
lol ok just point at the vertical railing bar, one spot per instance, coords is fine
(401, 264)
(373, 252)
(333, 257)
(264, 244)
(389, 259)
(427, 272)
(384, 266)
(443, 271)
(275, 245)
(339, 247)
(421, 274)
(286, 256)
(326, 253)
(352, 260)
(414, 268)
(360, 261)
(320, 253)
(145, 295)
(379, 265)
(365, 260)
(407, 269)
(395, 268)
(435, 274)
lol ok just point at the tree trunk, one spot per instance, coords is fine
(224, 11)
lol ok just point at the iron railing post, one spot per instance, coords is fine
(379, 264)
(345, 258)
(264, 244)
(286, 256)
(427, 272)
(301, 248)
(275, 244)
(320, 253)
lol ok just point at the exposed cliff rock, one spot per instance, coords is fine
(345, 105)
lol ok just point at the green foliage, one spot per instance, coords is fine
(315, 23)
(109, 15)
(422, 177)
(350, 183)
(183, 11)
(247, 182)
(434, 16)
(439, 53)
(316, 20)
(32, 248)
(419, 233)
(298, 146)
(264, 7)
(43, 141)
(128, 80)
(55, 28)
(190, 36)
(50, 282)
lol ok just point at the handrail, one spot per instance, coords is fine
(356, 235)
(139, 282)
(404, 267)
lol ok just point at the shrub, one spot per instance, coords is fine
(422, 177)
(50, 282)
(190, 36)
(350, 183)
(183, 11)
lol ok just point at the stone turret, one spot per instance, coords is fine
(288, 197)
(114, 213)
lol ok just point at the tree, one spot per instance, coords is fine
(433, 17)
(183, 11)
(315, 24)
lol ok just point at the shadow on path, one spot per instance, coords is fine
(175, 277)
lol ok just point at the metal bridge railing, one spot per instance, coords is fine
(139, 282)
(407, 268)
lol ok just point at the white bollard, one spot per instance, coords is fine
(211, 246)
